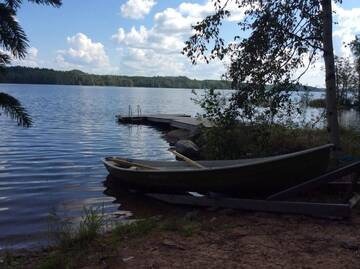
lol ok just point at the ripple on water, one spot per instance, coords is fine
(55, 165)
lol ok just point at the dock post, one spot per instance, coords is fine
(138, 110)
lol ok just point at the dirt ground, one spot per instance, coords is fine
(229, 239)
(251, 240)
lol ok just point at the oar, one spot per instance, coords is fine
(125, 162)
(186, 159)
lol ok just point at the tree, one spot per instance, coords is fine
(14, 42)
(355, 48)
(345, 80)
(279, 37)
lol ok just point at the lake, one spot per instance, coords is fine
(55, 167)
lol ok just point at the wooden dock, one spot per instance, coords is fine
(180, 121)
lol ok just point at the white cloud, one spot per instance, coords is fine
(148, 62)
(174, 21)
(136, 9)
(348, 26)
(200, 11)
(33, 53)
(149, 39)
(84, 50)
(152, 63)
(83, 54)
(30, 60)
(315, 75)
(136, 36)
(157, 49)
(119, 36)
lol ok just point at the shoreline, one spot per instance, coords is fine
(135, 87)
(210, 239)
(106, 86)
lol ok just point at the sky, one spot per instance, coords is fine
(143, 37)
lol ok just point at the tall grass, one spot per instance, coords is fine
(91, 224)
(249, 141)
(73, 240)
(66, 234)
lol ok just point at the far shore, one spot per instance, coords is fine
(135, 87)
(105, 86)
(44, 76)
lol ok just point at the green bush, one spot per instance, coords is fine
(250, 141)
(261, 140)
(317, 103)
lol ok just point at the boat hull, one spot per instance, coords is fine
(248, 179)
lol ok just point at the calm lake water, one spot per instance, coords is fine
(55, 165)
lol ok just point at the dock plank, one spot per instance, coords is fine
(181, 121)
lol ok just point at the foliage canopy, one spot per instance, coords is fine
(277, 39)
(14, 43)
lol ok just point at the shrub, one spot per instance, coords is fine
(317, 103)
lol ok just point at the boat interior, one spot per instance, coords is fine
(136, 164)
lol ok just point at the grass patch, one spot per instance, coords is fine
(79, 246)
(251, 141)
(67, 236)
(141, 228)
(91, 225)
(184, 226)
(103, 251)
(135, 229)
(73, 242)
(54, 262)
(9, 260)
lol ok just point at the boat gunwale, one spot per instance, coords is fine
(265, 160)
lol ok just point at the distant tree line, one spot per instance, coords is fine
(27, 75)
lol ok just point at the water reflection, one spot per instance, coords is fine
(132, 202)
(350, 119)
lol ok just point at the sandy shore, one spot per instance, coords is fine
(221, 239)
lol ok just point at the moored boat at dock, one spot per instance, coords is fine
(244, 177)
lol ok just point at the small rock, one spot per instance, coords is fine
(127, 259)
(175, 135)
(187, 148)
(350, 246)
(169, 243)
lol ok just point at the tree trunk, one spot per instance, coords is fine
(330, 82)
(358, 93)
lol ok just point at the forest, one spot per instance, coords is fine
(28, 75)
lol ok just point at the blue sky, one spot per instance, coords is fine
(140, 37)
